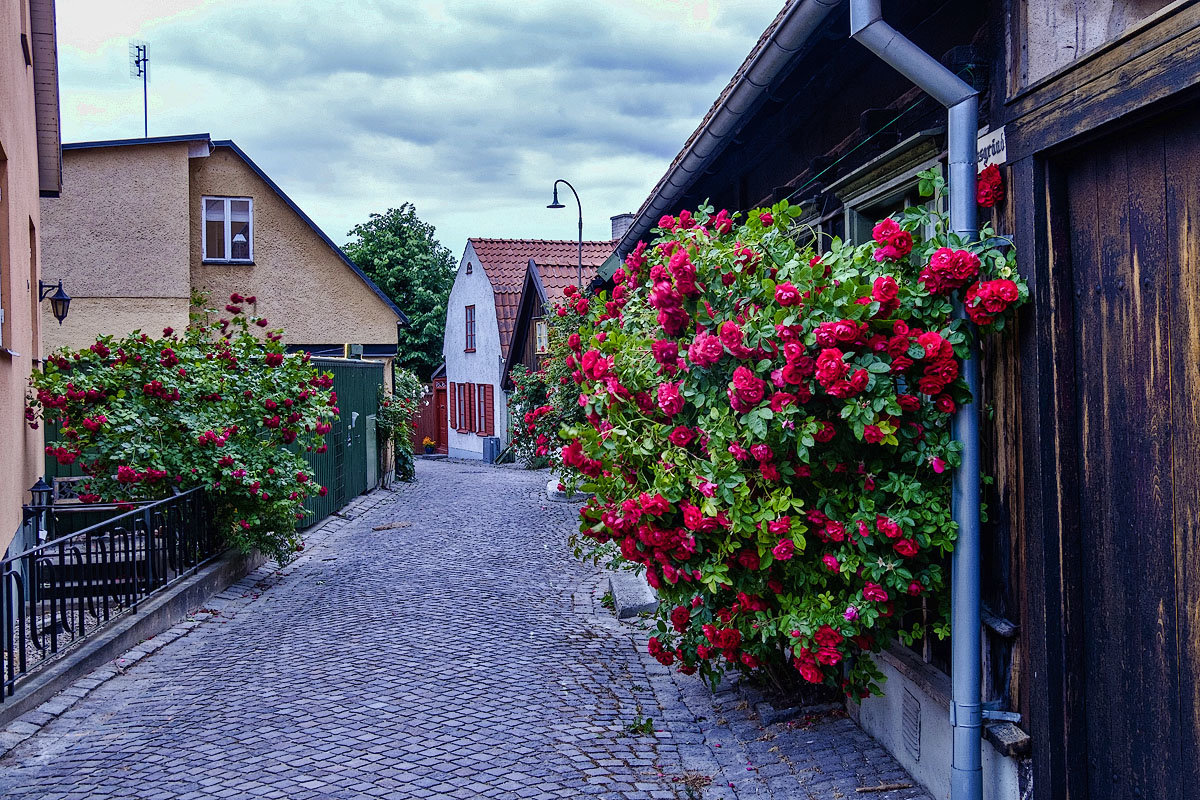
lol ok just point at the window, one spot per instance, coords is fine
(468, 267)
(228, 230)
(470, 328)
(542, 336)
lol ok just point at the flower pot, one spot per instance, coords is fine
(428, 449)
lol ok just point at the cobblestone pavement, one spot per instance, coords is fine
(463, 655)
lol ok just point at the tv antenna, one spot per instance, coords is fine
(139, 67)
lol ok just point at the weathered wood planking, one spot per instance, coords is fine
(1183, 214)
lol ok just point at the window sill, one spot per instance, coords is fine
(4, 351)
(468, 349)
(227, 262)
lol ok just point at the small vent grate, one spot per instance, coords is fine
(912, 725)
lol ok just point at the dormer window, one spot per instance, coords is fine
(228, 229)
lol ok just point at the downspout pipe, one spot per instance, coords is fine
(962, 103)
(792, 34)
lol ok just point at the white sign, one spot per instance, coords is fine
(991, 148)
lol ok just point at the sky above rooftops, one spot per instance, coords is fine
(470, 110)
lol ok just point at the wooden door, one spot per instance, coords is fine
(1131, 205)
(439, 399)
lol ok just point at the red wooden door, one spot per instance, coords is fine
(443, 425)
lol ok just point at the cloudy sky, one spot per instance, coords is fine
(468, 108)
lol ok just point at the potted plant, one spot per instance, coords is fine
(430, 444)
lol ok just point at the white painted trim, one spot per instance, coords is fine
(228, 219)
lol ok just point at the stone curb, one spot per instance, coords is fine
(158, 622)
(554, 494)
(631, 594)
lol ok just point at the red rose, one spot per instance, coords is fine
(906, 547)
(873, 434)
(810, 671)
(787, 295)
(885, 289)
(670, 401)
(784, 549)
(680, 617)
(705, 350)
(682, 436)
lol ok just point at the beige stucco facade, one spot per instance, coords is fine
(301, 283)
(21, 456)
(118, 238)
(126, 236)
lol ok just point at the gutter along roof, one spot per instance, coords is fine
(785, 38)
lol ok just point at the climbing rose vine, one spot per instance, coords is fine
(767, 434)
(215, 405)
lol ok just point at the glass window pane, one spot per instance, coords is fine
(239, 229)
(214, 229)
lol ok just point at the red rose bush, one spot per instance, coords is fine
(213, 406)
(768, 434)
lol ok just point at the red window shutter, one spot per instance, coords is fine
(470, 404)
(453, 394)
(489, 410)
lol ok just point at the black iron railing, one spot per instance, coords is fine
(57, 593)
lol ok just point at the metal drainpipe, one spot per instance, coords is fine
(962, 102)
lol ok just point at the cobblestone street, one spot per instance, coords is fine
(464, 654)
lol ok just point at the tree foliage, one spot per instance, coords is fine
(399, 252)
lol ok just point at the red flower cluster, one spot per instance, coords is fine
(989, 190)
(986, 300)
(894, 243)
(949, 270)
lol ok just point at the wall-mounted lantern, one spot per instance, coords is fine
(60, 301)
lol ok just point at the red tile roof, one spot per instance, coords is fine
(505, 261)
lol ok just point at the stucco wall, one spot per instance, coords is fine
(118, 231)
(117, 316)
(482, 366)
(21, 450)
(300, 283)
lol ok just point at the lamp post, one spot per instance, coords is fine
(556, 204)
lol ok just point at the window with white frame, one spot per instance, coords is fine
(542, 336)
(228, 230)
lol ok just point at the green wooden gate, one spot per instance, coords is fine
(345, 465)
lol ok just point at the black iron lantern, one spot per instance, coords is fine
(42, 494)
(60, 301)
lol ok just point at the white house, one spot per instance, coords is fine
(480, 318)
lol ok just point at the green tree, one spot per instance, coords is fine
(399, 252)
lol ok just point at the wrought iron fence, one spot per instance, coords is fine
(57, 593)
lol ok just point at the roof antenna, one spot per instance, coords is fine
(139, 67)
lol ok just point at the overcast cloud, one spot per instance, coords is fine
(469, 109)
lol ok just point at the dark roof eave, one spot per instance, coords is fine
(186, 137)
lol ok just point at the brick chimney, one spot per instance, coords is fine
(620, 224)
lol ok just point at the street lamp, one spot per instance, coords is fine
(556, 204)
(60, 301)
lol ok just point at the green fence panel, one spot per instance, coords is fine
(343, 466)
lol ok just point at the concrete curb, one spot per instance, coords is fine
(555, 495)
(631, 594)
(152, 617)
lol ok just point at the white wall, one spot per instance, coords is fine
(481, 366)
(884, 718)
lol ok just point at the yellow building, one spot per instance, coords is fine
(29, 166)
(143, 223)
